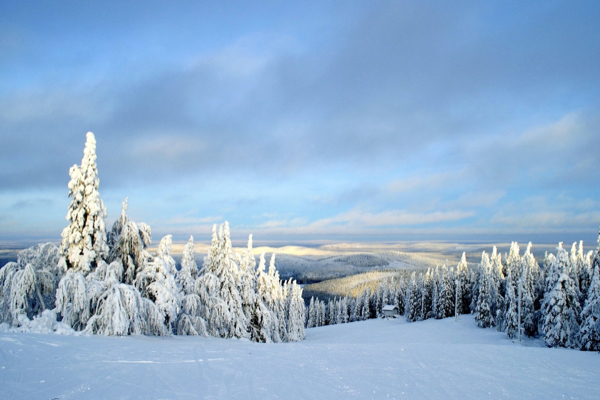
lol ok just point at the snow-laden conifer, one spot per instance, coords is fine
(118, 308)
(321, 315)
(128, 242)
(445, 294)
(412, 303)
(157, 283)
(247, 288)
(498, 287)
(188, 273)
(311, 321)
(266, 318)
(426, 295)
(435, 292)
(561, 307)
(296, 310)
(483, 311)
(228, 274)
(529, 276)
(590, 316)
(584, 271)
(464, 285)
(27, 287)
(84, 239)
(512, 302)
(71, 300)
(193, 310)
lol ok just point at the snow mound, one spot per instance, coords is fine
(44, 323)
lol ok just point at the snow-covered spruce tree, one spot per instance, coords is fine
(530, 274)
(585, 271)
(512, 302)
(557, 265)
(247, 289)
(188, 273)
(278, 295)
(311, 321)
(464, 282)
(219, 279)
(128, 242)
(475, 279)
(157, 283)
(412, 306)
(247, 280)
(72, 301)
(399, 293)
(498, 288)
(28, 286)
(296, 310)
(426, 295)
(266, 318)
(418, 304)
(321, 316)
(561, 307)
(331, 312)
(118, 308)
(590, 316)
(191, 319)
(445, 295)
(228, 274)
(435, 292)
(84, 239)
(211, 308)
(362, 308)
(483, 310)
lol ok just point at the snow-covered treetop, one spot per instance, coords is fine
(84, 239)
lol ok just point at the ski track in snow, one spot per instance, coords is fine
(375, 359)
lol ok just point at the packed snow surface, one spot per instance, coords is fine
(373, 359)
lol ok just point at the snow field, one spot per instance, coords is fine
(373, 359)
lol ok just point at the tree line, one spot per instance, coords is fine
(558, 301)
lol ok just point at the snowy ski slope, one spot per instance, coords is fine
(374, 359)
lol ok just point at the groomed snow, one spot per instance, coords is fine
(374, 359)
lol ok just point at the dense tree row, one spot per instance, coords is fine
(108, 282)
(560, 301)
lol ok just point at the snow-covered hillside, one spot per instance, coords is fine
(373, 359)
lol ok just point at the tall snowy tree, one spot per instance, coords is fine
(561, 307)
(296, 310)
(511, 313)
(529, 276)
(445, 295)
(412, 302)
(590, 316)
(265, 303)
(464, 285)
(247, 289)
(220, 261)
(498, 286)
(483, 311)
(84, 239)
(426, 295)
(312, 314)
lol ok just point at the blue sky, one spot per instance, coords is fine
(314, 122)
